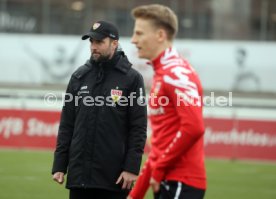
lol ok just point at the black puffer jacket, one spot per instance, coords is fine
(98, 136)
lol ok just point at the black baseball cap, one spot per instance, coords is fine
(101, 30)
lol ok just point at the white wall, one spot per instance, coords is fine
(51, 59)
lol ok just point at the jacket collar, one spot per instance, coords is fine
(123, 64)
(164, 57)
(119, 61)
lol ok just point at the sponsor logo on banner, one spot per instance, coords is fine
(28, 128)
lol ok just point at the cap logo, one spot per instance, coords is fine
(96, 25)
(112, 35)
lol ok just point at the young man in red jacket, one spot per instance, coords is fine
(175, 166)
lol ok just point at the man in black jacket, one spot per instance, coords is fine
(103, 122)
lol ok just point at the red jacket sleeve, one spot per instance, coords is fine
(188, 104)
(142, 184)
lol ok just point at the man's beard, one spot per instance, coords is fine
(100, 58)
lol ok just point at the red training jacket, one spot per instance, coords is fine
(175, 113)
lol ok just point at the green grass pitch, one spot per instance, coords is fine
(26, 175)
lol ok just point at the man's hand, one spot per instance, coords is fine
(127, 179)
(58, 177)
(155, 185)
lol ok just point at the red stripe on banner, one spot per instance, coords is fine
(28, 128)
(242, 139)
(227, 138)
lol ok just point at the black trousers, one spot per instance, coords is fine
(178, 190)
(97, 194)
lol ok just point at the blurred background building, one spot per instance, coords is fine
(198, 19)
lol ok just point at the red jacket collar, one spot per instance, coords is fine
(168, 53)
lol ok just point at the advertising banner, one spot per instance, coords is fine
(51, 59)
(28, 129)
(224, 137)
(240, 139)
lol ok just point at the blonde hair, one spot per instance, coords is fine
(160, 15)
